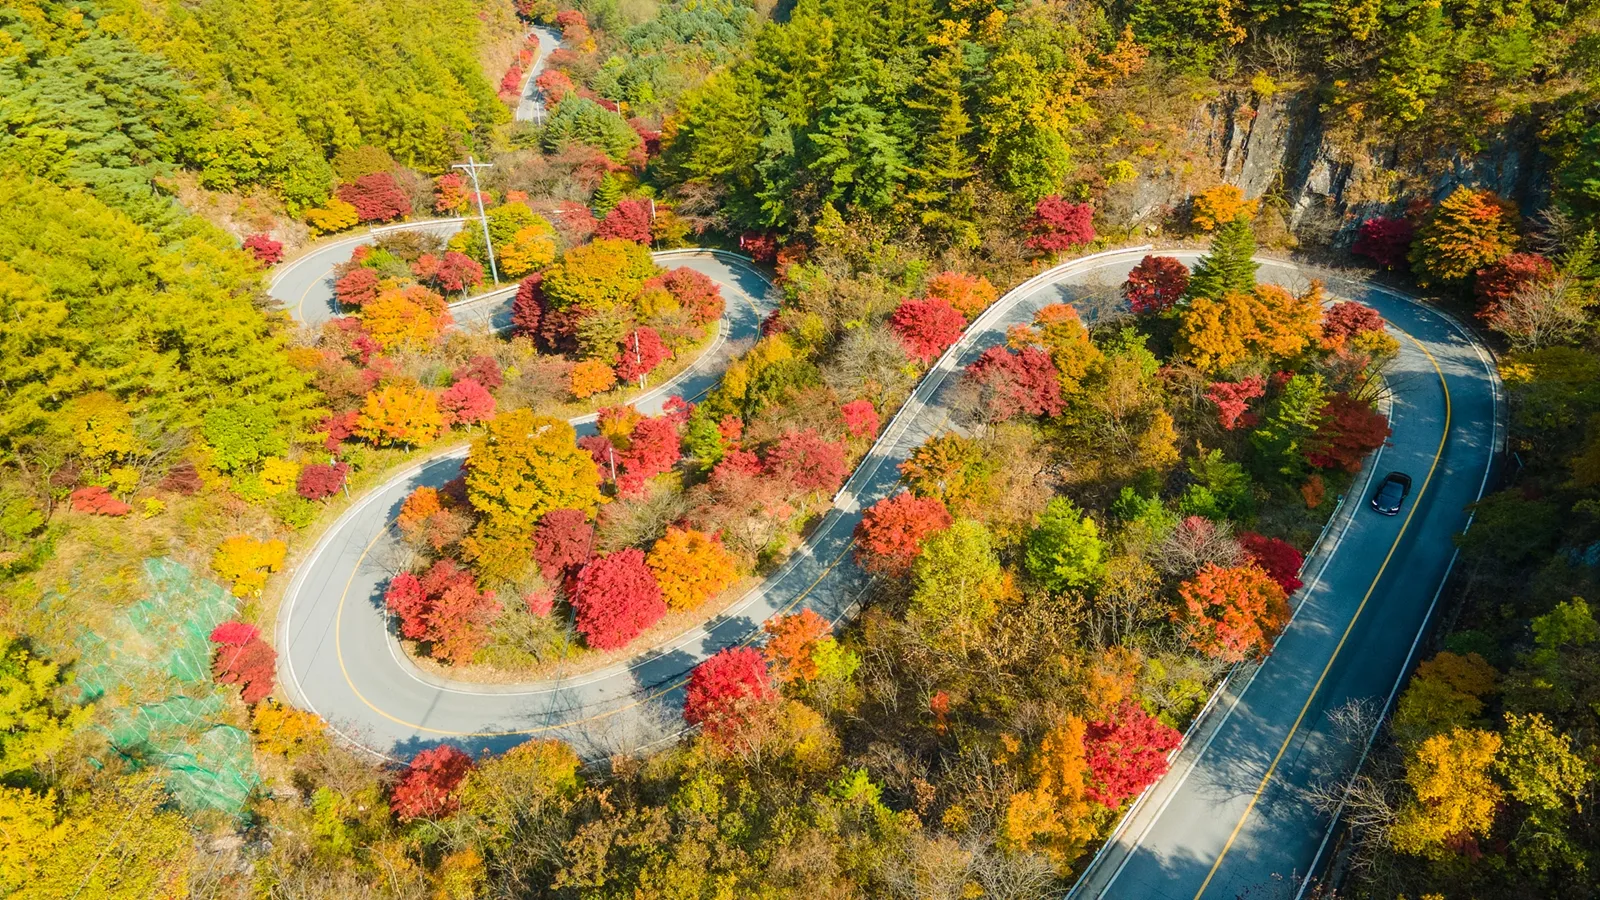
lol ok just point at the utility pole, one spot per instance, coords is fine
(472, 166)
(636, 356)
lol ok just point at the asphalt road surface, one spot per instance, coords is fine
(305, 285)
(1230, 819)
(1227, 819)
(531, 107)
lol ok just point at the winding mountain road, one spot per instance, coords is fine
(1228, 817)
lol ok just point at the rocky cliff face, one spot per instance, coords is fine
(1323, 182)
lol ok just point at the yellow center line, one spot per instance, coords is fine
(1317, 688)
(299, 308)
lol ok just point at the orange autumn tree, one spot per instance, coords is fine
(1217, 206)
(1468, 230)
(400, 414)
(1232, 612)
(590, 377)
(691, 566)
(1063, 335)
(791, 649)
(1216, 334)
(1055, 816)
(411, 318)
(969, 294)
(1287, 324)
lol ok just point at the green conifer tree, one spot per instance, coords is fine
(606, 196)
(944, 163)
(1229, 266)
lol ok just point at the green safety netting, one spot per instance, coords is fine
(153, 663)
(207, 765)
(164, 637)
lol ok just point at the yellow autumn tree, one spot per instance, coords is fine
(285, 731)
(1445, 693)
(600, 275)
(335, 215)
(523, 465)
(245, 563)
(1214, 334)
(531, 248)
(400, 414)
(118, 842)
(101, 426)
(1454, 797)
(1055, 816)
(278, 475)
(691, 566)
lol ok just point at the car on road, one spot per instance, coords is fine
(1391, 493)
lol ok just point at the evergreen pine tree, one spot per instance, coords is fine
(606, 196)
(944, 163)
(1228, 267)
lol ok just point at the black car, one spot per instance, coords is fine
(1391, 493)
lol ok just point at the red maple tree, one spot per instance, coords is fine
(555, 85)
(1017, 383)
(444, 608)
(641, 351)
(695, 292)
(376, 197)
(1233, 400)
(891, 532)
(628, 220)
(456, 272)
(427, 788)
(561, 543)
(527, 307)
(1346, 319)
(926, 327)
(1059, 224)
(267, 251)
(616, 598)
(357, 286)
(243, 658)
(1126, 754)
(466, 403)
(1277, 558)
(318, 481)
(860, 418)
(97, 501)
(1496, 283)
(1349, 430)
(1385, 241)
(1155, 284)
(809, 461)
(483, 369)
(654, 447)
(727, 690)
